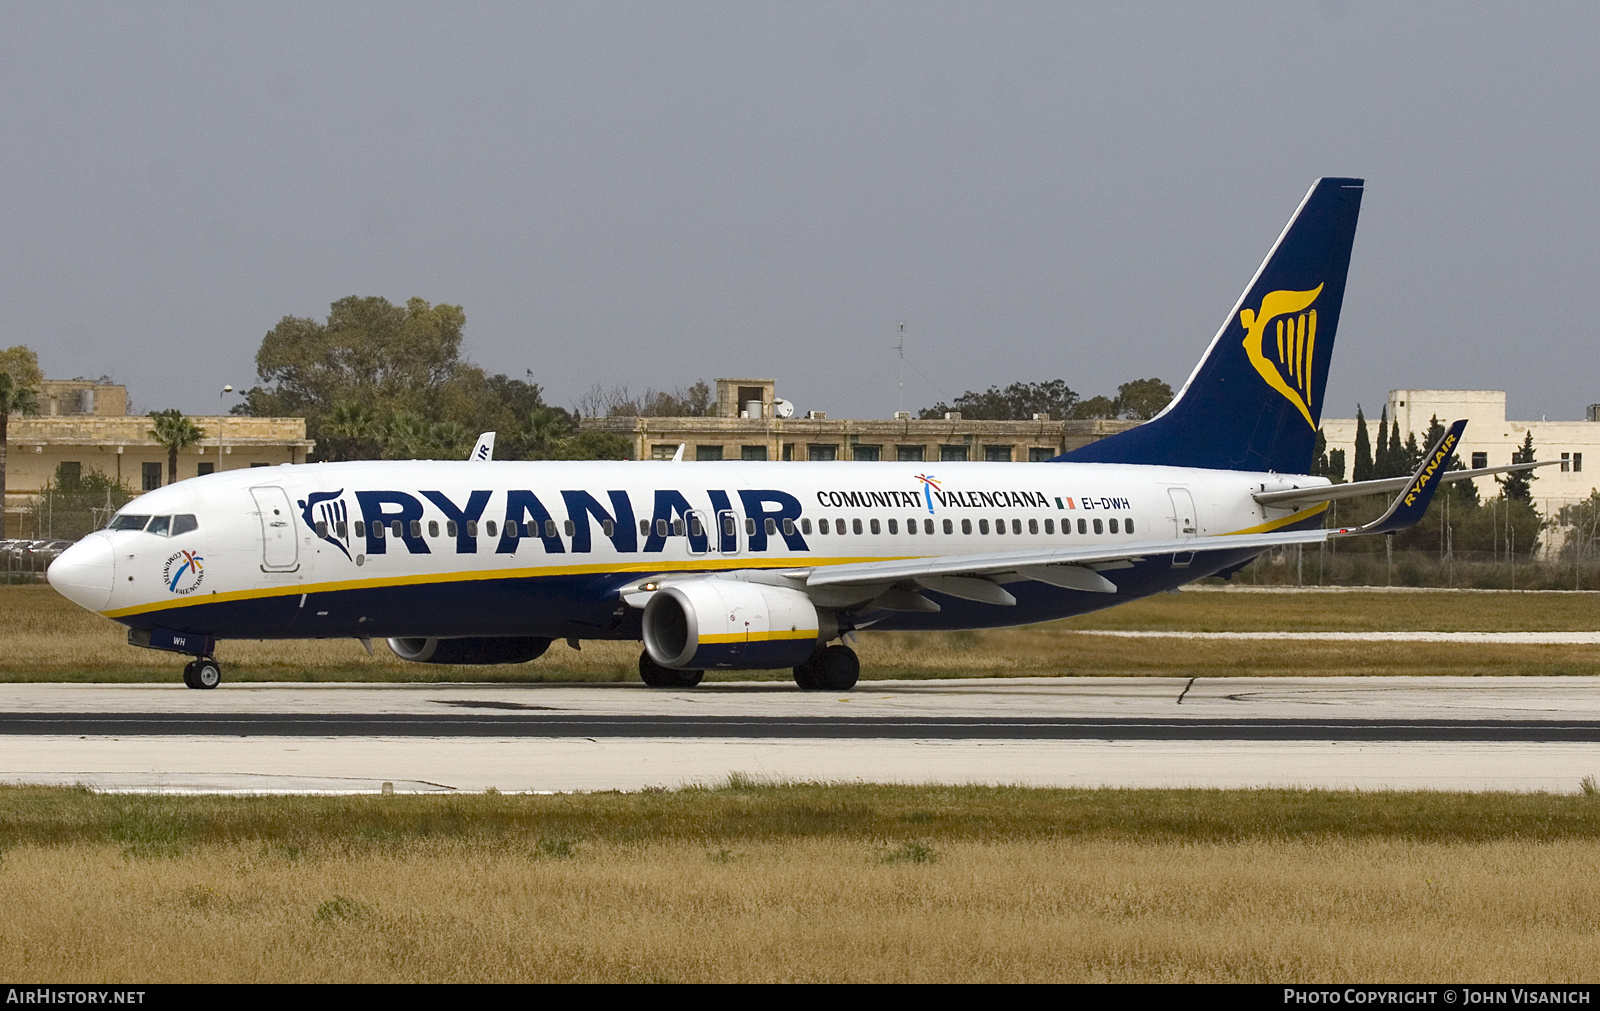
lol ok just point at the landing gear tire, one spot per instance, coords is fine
(657, 676)
(834, 669)
(204, 674)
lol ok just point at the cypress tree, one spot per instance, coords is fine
(1380, 459)
(1363, 467)
(1397, 454)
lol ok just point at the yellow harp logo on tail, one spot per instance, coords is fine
(1296, 333)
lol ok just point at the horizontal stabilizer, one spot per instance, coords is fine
(1355, 489)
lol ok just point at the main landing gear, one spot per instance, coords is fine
(202, 673)
(832, 669)
(657, 676)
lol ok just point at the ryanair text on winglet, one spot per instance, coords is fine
(1445, 449)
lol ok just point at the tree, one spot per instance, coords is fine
(1364, 464)
(1380, 459)
(1017, 402)
(1142, 399)
(16, 397)
(1324, 463)
(175, 431)
(73, 504)
(1094, 409)
(1518, 486)
(1397, 453)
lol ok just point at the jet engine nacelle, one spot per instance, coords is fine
(733, 625)
(476, 650)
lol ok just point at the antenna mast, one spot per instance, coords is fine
(900, 349)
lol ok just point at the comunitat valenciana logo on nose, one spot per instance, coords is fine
(183, 572)
(1296, 338)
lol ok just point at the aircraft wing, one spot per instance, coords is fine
(1353, 489)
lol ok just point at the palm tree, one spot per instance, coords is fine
(174, 431)
(13, 399)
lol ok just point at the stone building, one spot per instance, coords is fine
(83, 426)
(1490, 439)
(751, 423)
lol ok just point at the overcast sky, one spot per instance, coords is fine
(652, 194)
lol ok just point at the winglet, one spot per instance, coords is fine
(484, 450)
(1413, 500)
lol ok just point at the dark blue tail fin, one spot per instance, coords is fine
(1255, 399)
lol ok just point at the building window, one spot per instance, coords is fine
(1040, 454)
(1480, 461)
(819, 451)
(1566, 462)
(260, 465)
(910, 454)
(1577, 463)
(868, 453)
(663, 451)
(752, 452)
(948, 452)
(788, 451)
(207, 468)
(708, 452)
(70, 472)
(150, 476)
(997, 454)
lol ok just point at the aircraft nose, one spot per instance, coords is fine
(83, 573)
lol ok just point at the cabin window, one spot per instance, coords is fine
(874, 527)
(1083, 526)
(568, 527)
(472, 528)
(1000, 526)
(1098, 526)
(433, 528)
(361, 528)
(1127, 525)
(730, 528)
(1033, 526)
(772, 526)
(161, 526)
(822, 526)
(1016, 527)
(894, 526)
(949, 527)
(805, 524)
(396, 528)
(343, 529)
(1113, 522)
(983, 526)
(696, 528)
(549, 528)
(838, 527)
(608, 528)
(966, 526)
(378, 531)
(416, 528)
(322, 528)
(450, 528)
(927, 526)
(856, 525)
(489, 528)
(1049, 526)
(788, 527)
(513, 531)
(185, 523)
(677, 528)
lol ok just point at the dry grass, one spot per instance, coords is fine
(50, 639)
(802, 883)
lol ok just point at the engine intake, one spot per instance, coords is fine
(732, 625)
(475, 650)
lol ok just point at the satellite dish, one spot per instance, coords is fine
(782, 408)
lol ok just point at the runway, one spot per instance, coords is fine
(1368, 733)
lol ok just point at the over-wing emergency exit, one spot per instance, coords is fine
(736, 566)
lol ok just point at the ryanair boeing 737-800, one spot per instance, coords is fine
(741, 566)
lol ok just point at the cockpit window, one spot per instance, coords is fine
(128, 522)
(159, 525)
(183, 524)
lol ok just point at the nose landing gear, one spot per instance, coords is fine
(202, 673)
